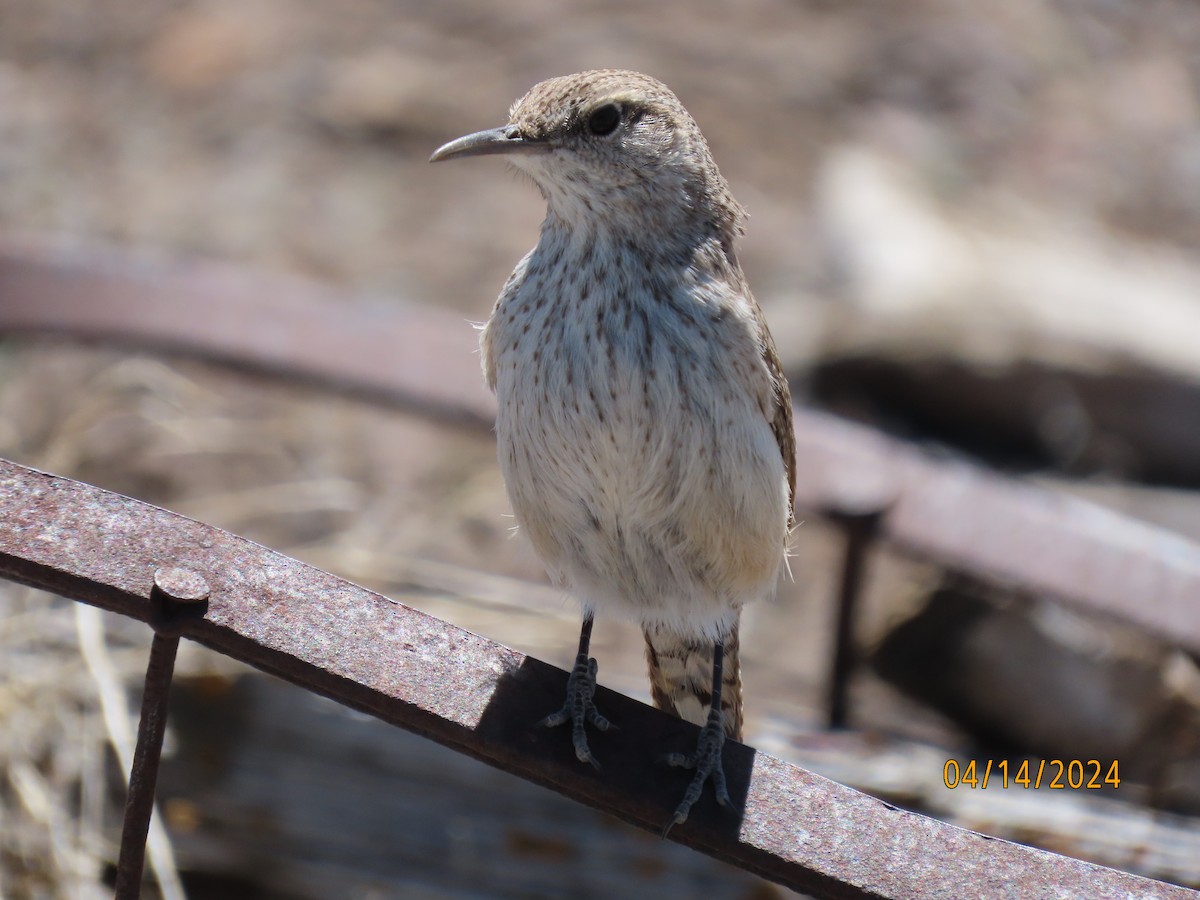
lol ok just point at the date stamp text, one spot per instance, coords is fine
(1054, 774)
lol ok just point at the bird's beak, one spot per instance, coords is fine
(484, 143)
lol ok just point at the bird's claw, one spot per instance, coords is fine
(706, 761)
(579, 709)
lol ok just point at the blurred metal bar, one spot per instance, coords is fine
(482, 699)
(859, 530)
(1002, 531)
(381, 348)
(948, 512)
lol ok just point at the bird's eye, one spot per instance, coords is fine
(605, 119)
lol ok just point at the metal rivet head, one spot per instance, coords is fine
(181, 585)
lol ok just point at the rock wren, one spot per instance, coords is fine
(644, 421)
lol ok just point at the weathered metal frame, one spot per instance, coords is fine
(480, 698)
(381, 657)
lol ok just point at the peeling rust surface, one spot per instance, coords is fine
(475, 696)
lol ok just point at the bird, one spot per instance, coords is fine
(644, 421)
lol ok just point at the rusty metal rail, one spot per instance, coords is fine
(1002, 531)
(461, 690)
(382, 350)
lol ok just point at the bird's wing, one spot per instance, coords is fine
(780, 415)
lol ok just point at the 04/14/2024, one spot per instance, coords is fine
(1054, 774)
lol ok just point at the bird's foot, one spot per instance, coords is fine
(579, 709)
(706, 761)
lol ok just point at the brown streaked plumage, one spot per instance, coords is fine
(644, 421)
(681, 677)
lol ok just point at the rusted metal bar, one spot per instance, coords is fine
(1002, 531)
(859, 528)
(951, 513)
(143, 777)
(383, 349)
(480, 698)
(175, 593)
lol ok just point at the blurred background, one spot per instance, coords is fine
(975, 226)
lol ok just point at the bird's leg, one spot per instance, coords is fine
(579, 708)
(706, 759)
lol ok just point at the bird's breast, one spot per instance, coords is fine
(605, 368)
(632, 437)
(622, 385)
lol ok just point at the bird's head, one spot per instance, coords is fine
(610, 148)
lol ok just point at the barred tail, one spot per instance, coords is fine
(681, 677)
